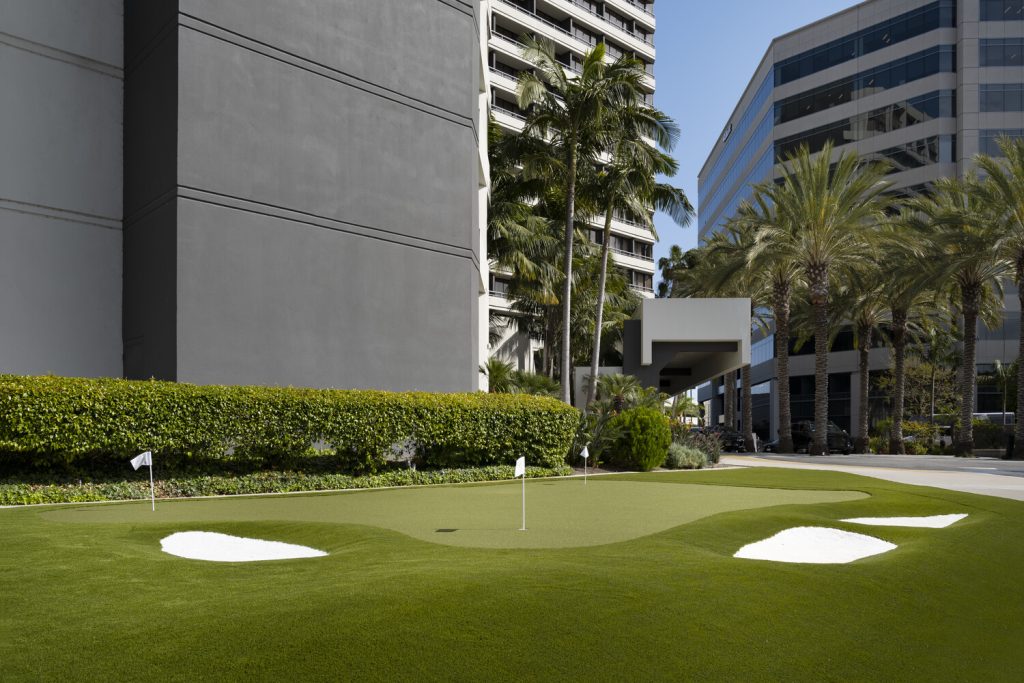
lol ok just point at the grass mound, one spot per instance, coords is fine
(86, 593)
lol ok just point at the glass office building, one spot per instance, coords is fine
(926, 84)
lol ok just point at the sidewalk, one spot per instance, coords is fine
(969, 482)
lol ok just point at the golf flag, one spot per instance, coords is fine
(143, 459)
(521, 467)
(585, 453)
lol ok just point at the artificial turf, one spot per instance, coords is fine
(644, 586)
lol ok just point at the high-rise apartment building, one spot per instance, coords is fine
(574, 26)
(283, 192)
(925, 84)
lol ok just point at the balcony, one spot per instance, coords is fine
(503, 80)
(507, 118)
(635, 11)
(541, 26)
(596, 22)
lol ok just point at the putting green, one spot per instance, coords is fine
(560, 513)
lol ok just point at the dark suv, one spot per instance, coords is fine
(839, 440)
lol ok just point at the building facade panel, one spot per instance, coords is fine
(60, 187)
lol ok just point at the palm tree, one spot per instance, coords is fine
(775, 270)
(572, 115)
(724, 271)
(968, 254)
(672, 269)
(1002, 376)
(826, 214)
(627, 183)
(1003, 189)
(867, 313)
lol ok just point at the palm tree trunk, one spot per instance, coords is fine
(819, 299)
(748, 411)
(864, 349)
(1018, 430)
(601, 283)
(570, 216)
(965, 440)
(899, 349)
(780, 309)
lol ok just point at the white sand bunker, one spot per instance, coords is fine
(814, 545)
(214, 547)
(933, 522)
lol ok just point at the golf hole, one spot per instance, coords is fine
(214, 547)
(814, 545)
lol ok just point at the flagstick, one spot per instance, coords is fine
(152, 492)
(524, 503)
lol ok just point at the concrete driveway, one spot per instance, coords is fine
(985, 476)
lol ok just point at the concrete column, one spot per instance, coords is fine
(854, 404)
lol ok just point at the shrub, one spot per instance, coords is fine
(682, 457)
(28, 493)
(644, 441)
(989, 434)
(61, 423)
(709, 444)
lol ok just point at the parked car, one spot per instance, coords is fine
(839, 440)
(731, 440)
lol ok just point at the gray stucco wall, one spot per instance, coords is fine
(324, 190)
(60, 186)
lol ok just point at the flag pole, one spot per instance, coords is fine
(152, 492)
(524, 503)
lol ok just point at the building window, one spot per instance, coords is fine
(1002, 52)
(939, 59)
(987, 140)
(1002, 10)
(896, 116)
(1002, 97)
(905, 26)
(500, 286)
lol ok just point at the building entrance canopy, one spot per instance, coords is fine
(678, 344)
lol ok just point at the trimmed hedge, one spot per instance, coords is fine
(94, 420)
(30, 493)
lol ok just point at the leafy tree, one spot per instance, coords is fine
(572, 114)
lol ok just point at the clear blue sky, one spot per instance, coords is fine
(707, 52)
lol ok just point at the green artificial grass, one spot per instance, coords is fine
(86, 594)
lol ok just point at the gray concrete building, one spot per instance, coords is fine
(215, 191)
(926, 84)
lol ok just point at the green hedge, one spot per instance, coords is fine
(95, 420)
(30, 493)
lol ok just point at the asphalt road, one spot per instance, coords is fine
(942, 463)
(985, 476)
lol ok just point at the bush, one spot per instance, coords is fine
(919, 438)
(28, 493)
(682, 457)
(989, 434)
(62, 424)
(644, 441)
(709, 444)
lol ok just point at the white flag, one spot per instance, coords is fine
(585, 453)
(143, 459)
(521, 467)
